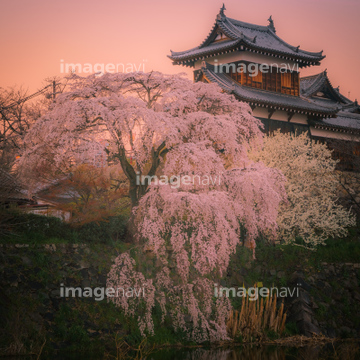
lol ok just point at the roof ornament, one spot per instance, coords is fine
(254, 40)
(221, 12)
(271, 25)
(297, 48)
(223, 8)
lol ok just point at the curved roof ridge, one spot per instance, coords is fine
(206, 66)
(212, 32)
(247, 25)
(266, 28)
(228, 31)
(176, 53)
(317, 82)
(295, 48)
(237, 32)
(219, 47)
(311, 76)
(209, 35)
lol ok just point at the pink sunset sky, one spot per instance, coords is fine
(36, 35)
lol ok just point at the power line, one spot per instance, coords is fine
(39, 92)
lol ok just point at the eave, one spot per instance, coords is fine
(228, 48)
(335, 128)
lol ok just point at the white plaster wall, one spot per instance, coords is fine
(261, 112)
(280, 115)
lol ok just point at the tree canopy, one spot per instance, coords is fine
(154, 124)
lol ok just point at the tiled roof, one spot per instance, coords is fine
(310, 85)
(353, 107)
(221, 46)
(344, 120)
(273, 99)
(245, 36)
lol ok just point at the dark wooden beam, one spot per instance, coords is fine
(271, 113)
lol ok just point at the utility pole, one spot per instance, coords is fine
(54, 84)
(54, 89)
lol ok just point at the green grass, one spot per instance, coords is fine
(340, 250)
(291, 329)
(25, 228)
(70, 320)
(288, 256)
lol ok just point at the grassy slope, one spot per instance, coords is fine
(80, 325)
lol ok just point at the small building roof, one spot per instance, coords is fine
(320, 84)
(319, 89)
(242, 36)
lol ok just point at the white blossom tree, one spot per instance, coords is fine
(312, 212)
(155, 124)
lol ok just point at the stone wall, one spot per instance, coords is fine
(328, 300)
